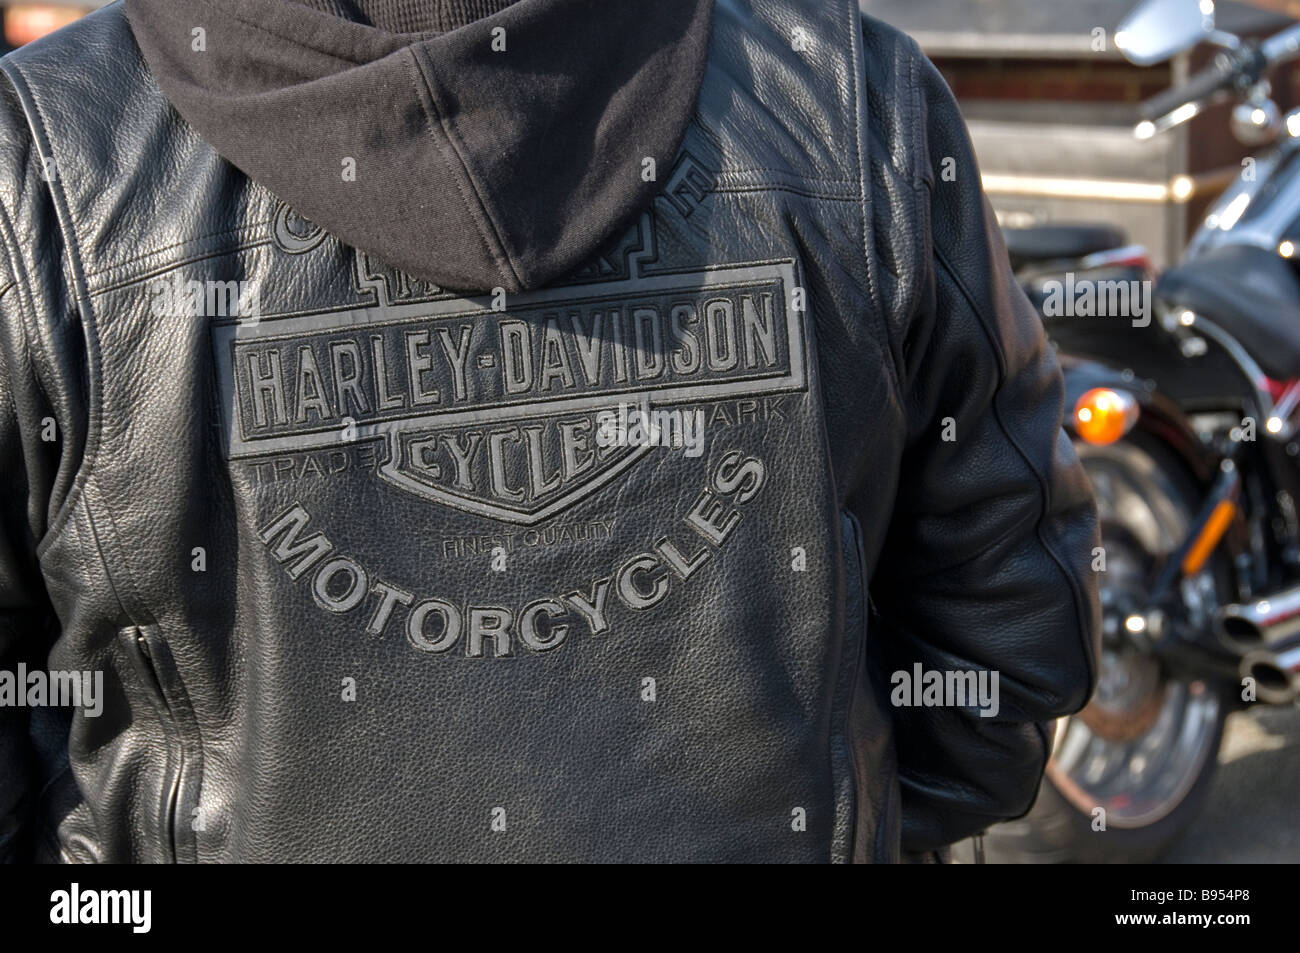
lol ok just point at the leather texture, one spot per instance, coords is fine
(557, 653)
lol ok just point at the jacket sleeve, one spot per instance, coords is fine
(987, 564)
(24, 610)
(42, 432)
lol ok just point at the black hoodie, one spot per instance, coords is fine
(472, 143)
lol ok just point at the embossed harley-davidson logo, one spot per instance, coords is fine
(494, 411)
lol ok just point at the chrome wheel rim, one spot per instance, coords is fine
(1142, 742)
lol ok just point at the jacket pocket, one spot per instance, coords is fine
(847, 770)
(176, 818)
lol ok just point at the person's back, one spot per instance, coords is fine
(536, 431)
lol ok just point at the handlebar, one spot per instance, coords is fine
(1281, 46)
(1219, 75)
(1239, 68)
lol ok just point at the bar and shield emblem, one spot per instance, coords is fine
(494, 411)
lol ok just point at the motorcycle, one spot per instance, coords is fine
(1186, 416)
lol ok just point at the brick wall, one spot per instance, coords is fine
(1051, 79)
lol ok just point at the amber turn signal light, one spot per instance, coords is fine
(1103, 415)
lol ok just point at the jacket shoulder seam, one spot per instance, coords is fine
(865, 194)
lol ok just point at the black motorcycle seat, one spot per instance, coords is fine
(1252, 293)
(1039, 243)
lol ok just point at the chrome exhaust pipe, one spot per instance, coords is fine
(1266, 633)
(1275, 684)
(1269, 619)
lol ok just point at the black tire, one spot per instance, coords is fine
(1059, 830)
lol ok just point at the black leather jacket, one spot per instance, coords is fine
(362, 585)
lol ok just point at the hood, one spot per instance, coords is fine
(472, 143)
